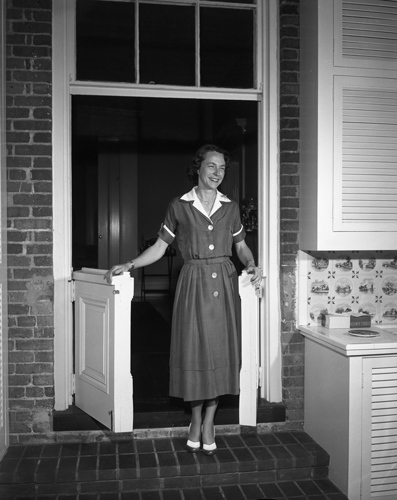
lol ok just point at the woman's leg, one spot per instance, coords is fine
(208, 422)
(195, 426)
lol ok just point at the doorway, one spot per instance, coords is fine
(130, 155)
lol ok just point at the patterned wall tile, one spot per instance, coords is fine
(347, 282)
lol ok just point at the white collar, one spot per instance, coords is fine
(192, 196)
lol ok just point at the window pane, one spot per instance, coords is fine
(167, 44)
(226, 48)
(105, 37)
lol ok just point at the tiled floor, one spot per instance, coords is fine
(281, 465)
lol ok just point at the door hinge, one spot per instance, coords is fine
(72, 290)
(73, 384)
(260, 372)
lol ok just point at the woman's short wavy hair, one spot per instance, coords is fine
(192, 171)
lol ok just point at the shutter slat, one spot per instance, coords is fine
(377, 172)
(384, 404)
(360, 136)
(385, 449)
(384, 413)
(351, 198)
(373, 35)
(370, 178)
(367, 207)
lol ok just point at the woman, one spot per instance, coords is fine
(205, 340)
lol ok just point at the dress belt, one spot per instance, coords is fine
(215, 260)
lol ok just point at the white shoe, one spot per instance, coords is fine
(192, 446)
(210, 449)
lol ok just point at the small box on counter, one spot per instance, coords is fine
(360, 321)
(335, 321)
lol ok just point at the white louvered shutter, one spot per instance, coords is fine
(379, 428)
(366, 33)
(365, 154)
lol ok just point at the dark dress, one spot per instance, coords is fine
(206, 331)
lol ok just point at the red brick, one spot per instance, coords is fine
(34, 368)
(31, 27)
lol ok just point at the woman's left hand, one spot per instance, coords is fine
(256, 275)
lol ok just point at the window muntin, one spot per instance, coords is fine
(195, 43)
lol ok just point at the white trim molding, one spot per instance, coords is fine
(269, 209)
(62, 206)
(64, 86)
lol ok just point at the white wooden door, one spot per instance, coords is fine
(249, 374)
(3, 251)
(103, 381)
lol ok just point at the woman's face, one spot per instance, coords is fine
(211, 171)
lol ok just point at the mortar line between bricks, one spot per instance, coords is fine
(117, 462)
(36, 469)
(14, 474)
(137, 464)
(235, 457)
(57, 468)
(157, 460)
(178, 465)
(76, 473)
(98, 455)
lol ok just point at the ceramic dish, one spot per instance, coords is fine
(364, 333)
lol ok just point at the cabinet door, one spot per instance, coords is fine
(348, 179)
(365, 34)
(379, 428)
(365, 154)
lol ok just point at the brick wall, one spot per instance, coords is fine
(29, 167)
(292, 341)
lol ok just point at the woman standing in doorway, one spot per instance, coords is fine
(206, 338)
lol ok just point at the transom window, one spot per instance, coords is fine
(194, 43)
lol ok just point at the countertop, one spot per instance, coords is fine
(341, 341)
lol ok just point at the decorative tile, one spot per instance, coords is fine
(345, 283)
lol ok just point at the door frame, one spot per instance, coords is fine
(4, 417)
(268, 202)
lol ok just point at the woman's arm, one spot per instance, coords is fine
(149, 256)
(247, 259)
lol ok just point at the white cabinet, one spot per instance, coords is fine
(379, 426)
(351, 408)
(348, 198)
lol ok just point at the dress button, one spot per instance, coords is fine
(216, 294)
(211, 247)
(214, 275)
(210, 227)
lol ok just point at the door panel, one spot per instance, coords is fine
(117, 203)
(103, 348)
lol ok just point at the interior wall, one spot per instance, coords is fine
(162, 177)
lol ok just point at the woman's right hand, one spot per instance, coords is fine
(116, 270)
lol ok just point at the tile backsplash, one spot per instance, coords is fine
(347, 282)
